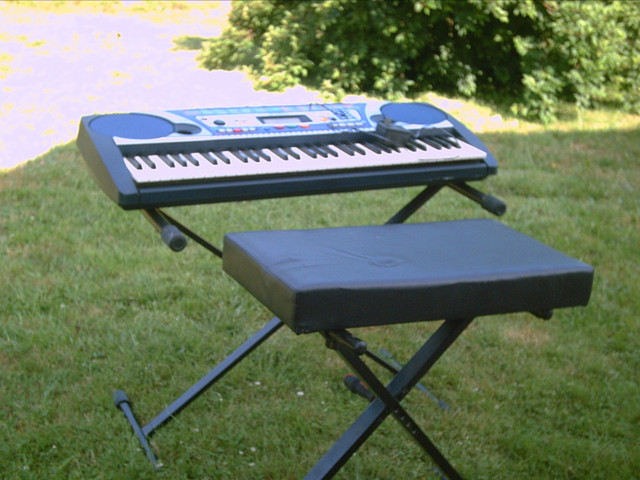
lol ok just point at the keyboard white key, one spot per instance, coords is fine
(253, 162)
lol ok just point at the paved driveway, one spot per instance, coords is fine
(56, 67)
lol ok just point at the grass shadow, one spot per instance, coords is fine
(188, 42)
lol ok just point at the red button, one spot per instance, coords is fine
(237, 130)
(304, 125)
(280, 127)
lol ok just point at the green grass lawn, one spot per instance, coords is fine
(91, 300)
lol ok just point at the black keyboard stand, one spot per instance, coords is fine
(173, 234)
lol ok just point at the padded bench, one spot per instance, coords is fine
(329, 280)
(338, 278)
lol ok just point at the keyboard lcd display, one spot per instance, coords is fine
(289, 119)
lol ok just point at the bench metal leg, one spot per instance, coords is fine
(388, 401)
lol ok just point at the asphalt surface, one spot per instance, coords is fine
(55, 68)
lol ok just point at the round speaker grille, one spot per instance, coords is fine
(132, 125)
(416, 113)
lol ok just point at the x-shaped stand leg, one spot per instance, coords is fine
(388, 398)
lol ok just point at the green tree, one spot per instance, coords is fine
(589, 54)
(532, 53)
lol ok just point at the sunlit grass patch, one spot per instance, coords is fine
(91, 300)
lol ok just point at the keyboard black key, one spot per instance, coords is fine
(147, 161)
(222, 157)
(431, 142)
(280, 153)
(291, 152)
(190, 158)
(371, 147)
(381, 146)
(319, 150)
(176, 157)
(417, 145)
(209, 157)
(453, 141)
(442, 141)
(308, 151)
(134, 162)
(263, 155)
(345, 148)
(252, 155)
(330, 150)
(240, 155)
(421, 144)
(167, 160)
(357, 149)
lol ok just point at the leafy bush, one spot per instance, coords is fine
(531, 53)
(588, 53)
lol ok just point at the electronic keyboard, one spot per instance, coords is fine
(182, 157)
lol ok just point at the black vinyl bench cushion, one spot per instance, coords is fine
(335, 278)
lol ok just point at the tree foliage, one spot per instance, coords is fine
(532, 53)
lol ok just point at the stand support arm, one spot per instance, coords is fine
(171, 235)
(488, 202)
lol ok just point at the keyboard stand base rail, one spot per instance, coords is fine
(143, 433)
